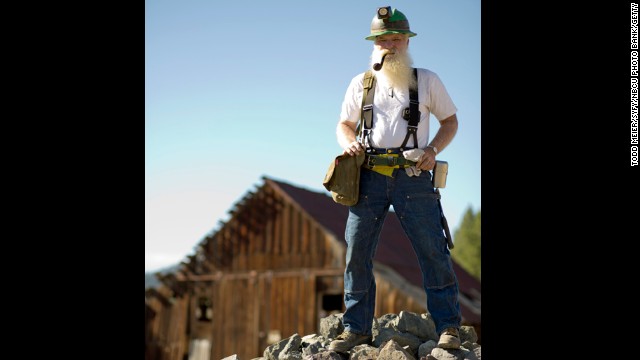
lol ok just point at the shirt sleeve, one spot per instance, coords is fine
(350, 110)
(441, 105)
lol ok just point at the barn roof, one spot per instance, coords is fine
(394, 248)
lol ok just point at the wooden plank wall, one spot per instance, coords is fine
(248, 306)
(168, 338)
(271, 234)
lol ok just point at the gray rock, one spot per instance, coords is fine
(290, 344)
(442, 354)
(430, 326)
(476, 351)
(325, 355)
(313, 344)
(426, 348)
(387, 320)
(291, 350)
(363, 352)
(415, 324)
(468, 333)
(331, 326)
(403, 339)
(391, 350)
(469, 345)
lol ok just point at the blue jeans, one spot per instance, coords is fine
(416, 205)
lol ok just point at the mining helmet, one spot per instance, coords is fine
(388, 21)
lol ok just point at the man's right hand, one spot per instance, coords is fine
(354, 148)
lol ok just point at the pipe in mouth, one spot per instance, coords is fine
(378, 66)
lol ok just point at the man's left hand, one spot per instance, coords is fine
(427, 161)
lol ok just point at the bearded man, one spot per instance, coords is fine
(405, 184)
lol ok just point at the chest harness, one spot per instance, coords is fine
(411, 114)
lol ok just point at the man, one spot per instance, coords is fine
(408, 187)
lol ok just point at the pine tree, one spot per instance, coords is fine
(466, 251)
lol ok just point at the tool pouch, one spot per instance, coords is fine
(343, 178)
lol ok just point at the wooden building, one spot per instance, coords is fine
(275, 268)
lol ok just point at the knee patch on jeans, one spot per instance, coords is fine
(355, 297)
(355, 293)
(437, 286)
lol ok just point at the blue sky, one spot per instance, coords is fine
(237, 90)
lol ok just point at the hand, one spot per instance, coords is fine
(427, 161)
(354, 148)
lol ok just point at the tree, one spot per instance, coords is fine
(466, 251)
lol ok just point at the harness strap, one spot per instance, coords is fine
(366, 114)
(414, 115)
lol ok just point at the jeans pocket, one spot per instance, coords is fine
(420, 205)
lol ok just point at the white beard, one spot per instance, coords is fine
(397, 70)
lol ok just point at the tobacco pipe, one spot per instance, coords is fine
(378, 66)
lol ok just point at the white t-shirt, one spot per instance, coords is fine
(389, 128)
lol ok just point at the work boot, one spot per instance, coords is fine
(449, 339)
(347, 340)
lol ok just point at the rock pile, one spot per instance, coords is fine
(407, 336)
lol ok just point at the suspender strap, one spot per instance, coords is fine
(366, 115)
(414, 114)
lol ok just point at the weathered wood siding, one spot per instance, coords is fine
(272, 234)
(249, 306)
(168, 338)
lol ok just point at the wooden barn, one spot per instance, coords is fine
(275, 268)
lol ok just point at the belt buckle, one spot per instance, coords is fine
(369, 158)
